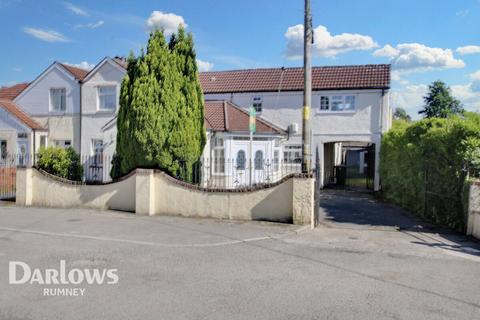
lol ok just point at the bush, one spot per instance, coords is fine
(64, 163)
(425, 166)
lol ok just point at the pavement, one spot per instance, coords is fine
(179, 268)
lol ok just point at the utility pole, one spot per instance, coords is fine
(307, 90)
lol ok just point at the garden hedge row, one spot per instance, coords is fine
(426, 166)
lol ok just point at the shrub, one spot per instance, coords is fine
(64, 163)
(425, 166)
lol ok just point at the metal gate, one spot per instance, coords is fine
(8, 171)
(370, 169)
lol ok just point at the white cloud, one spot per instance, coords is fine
(386, 51)
(325, 44)
(468, 50)
(204, 65)
(462, 13)
(75, 9)
(409, 98)
(82, 65)
(92, 25)
(46, 35)
(469, 95)
(169, 22)
(416, 57)
(475, 75)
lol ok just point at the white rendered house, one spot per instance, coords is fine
(350, 104)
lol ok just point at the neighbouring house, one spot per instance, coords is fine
(350, 104)
(228, 158)
(53, 101)
(19, 133)
(100, 104)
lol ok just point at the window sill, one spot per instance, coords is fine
(334, 112)
(106, 111)
(57, 113)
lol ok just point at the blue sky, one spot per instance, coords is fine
(425, 40)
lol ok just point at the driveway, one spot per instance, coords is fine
(361, 210)
(176, 268)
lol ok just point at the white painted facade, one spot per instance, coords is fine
(98, 125)
(35, 100)
(229, 160)
(371, 117)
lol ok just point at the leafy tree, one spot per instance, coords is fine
(439, 102)
(401, 114)
(160, 121)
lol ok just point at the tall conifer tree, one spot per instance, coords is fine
(160, 121)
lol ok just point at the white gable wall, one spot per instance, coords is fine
(97, 124)
(35, 101)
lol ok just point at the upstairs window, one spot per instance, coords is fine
(337, 103)
(257, 103)
(107, 98)
(58, 99)
(324, 103)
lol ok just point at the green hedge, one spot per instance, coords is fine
(61, 162)
(425, 166)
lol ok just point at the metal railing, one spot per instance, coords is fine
(227, 173)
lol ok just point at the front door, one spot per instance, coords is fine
(246, 165)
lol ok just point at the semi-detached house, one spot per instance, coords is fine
(350, 111)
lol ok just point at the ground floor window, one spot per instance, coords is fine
(292, 154)
(241, 159)
(97, 151)
(43, 141)
(3, 149)
(258, 160)
(63, 143)
(219, 160)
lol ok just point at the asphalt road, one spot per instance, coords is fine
(176, 268)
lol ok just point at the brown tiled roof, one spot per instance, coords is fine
(225, 116)
(78, 73)
(16, 111)
(291, 79)
(10, 93)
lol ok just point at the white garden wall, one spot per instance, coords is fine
(151, 192)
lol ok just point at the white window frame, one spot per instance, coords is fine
(52, 107)
(290, 153)
(335, 97)
(97, 157)
(99, 107)
(218, 147)
(63, 143)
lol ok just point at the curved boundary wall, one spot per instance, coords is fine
(152, 192)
